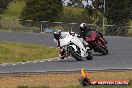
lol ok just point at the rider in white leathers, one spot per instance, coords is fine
(57, 38)
(61, 38)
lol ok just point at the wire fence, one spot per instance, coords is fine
(18, 25)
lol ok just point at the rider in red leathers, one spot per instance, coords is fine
(84, 30)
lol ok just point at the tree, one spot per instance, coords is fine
(3, 5)
(118, 13)
(42, 10)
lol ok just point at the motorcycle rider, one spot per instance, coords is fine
(57, 36)
(60, 40)
(84, 30)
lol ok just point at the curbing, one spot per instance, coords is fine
(35, 61)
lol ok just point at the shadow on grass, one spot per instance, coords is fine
(33, 87)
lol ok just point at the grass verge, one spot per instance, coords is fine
(14, 9)
(61, 79)
(17, 52)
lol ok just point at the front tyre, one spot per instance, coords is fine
(89, 57)
(75, 54)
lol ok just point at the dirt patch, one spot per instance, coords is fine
(56, 79)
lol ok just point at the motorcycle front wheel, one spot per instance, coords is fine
(89, 57)
(75, 54)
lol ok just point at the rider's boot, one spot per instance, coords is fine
(61, 54)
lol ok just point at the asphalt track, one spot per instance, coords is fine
(119, 58)
(32, 38)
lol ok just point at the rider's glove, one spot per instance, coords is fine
(78, 36)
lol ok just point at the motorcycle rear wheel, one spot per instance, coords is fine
(107, 51)
(100, 49)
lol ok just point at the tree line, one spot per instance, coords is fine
(117, 12)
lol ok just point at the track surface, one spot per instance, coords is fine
(120, 55)
(33, 38)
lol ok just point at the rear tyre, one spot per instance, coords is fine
(107, 51)
(75, 54)
(100, 49)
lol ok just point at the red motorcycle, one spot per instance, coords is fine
(97, 42)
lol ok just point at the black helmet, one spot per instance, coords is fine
(57, 35)
(83, 26)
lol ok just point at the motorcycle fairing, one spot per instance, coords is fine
(74, 47)
(77, 42)
(65, 41)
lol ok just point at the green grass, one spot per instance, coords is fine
(130, 30)
(17, 52)
(73, 10)
(14, 9)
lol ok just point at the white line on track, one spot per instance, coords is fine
(3, 65)
(14, 64)
(49, 60)
(41, 61)
(35, 61)
(22, 63)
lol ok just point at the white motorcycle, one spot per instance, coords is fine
(73, 46)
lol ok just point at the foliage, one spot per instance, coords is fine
(117, 12)
(14, 9)
(42, 10)
(75, 3)
(94, 14)
(3, 5)
(72, 14)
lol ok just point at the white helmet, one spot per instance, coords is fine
(83, 25)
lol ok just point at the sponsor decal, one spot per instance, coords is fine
(110, 82)
(85, 81)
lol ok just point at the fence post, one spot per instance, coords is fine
(41, 27)
(72, 24)
(43, 23)
(10, 24)
(0, 23)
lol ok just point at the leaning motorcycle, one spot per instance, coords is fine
(74, 47)
(97, 42)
